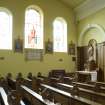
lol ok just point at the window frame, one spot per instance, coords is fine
(10, 17)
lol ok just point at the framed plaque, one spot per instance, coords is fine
(33, 54)
(71, 48)
(18, 45)
(48, 47)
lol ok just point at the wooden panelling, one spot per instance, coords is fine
(82, 57)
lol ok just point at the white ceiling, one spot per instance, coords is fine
(73, 3)
(84, 8)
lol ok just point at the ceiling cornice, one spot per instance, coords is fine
(67, 5)
(88, 8)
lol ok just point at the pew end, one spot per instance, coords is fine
(14, 97)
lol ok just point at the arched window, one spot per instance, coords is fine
(5, 29)
(60, 35)
(33, 28)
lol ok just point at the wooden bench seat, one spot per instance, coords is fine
(4, 96)
(37, 96)
(90, 86)
(83, 101)
(5, 99)
(92, 95)
(101, 83)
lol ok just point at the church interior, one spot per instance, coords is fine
(52, 52)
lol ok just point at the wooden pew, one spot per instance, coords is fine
(94, 87)
(11, 94)
(29, 76)
(28, 96)
(29, 82)
(20, 81)
(10, 81)
(11, 84)
(72, 100)
(1, 100)
(33, 84)
(101, 83)
(68, 79)
(35, 97)
(5, 97)
(39, 75)
(84, 76)
(92, 95)
(55, 80)
(22, 103)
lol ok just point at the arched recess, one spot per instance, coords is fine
(6, 10)
(89, 27)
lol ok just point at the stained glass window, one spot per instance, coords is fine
(60, 35)
(33, 29)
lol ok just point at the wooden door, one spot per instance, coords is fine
(82, 57)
